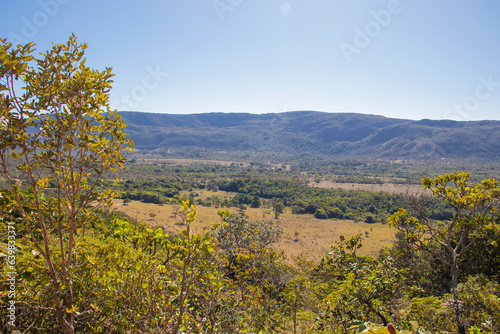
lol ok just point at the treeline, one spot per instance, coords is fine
(158, 191)
(396, 172)
(355, 171)
(289, 193)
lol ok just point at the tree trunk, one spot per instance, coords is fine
(377, 312)
(295, 319)
(456, 303)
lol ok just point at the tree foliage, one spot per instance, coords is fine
(357, 287)
(58, 129)
(474, 206)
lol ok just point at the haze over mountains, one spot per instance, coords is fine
(310, 135)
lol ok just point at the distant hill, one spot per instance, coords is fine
(310, 135)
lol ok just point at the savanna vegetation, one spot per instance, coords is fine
(71, 265)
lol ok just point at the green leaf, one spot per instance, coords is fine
(414, 325)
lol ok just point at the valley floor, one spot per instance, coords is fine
(303, 234)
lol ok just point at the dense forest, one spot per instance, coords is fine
(72, 265)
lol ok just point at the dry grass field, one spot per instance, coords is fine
(303, 234)
(411, 189)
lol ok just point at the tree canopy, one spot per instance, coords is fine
(56, 128)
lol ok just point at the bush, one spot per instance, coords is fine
(430, 313)
(320, 214)
(296, 209)
(370, 220)
(335, 213)
(480, 302)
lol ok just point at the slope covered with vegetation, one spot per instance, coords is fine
(70, 265)
(310, 136)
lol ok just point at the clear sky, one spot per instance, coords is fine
(406, 59)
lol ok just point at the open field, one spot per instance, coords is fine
(314, 235)
(411, 189)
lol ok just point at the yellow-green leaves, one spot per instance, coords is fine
(472, 203)
(457, 189)
(189, 211)
(55, 133)
(474, 207)
(396, 218)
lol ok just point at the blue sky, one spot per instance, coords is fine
(405, 59)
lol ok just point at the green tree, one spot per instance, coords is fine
(256, 272)
(484, 257)
(370, 220)
(357, 287)
(320, 214)
(175, 288)
(56, 127)
(474, 207)
(237, 233)
(278, 206)
(420, 268)
(296, 295)
(256, 202)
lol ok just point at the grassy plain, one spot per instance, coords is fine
(303, 235)
(411, 189)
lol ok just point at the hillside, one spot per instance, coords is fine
(307, 135)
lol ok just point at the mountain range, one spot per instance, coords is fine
(310, 135)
